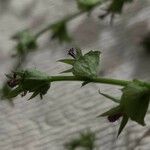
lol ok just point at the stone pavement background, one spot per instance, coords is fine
(68, 109)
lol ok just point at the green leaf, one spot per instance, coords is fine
(30, 80)
(112, 111)
(15, 92)
(59, 31)
(135, 101)
(34, 94)
(117, 5)
(32, 74)
(42, 90)
(26, 42)
(87, 65)
(35, 81)
(67, 61)
(123, 124)
(67, 71)
(78, 53)
(4, 92)
(133, 105)
(114, 114)
(85, 83)
(86, 141)
(110, 97)
(87, 5)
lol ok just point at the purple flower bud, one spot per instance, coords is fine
(115, 117)
(72, 52)
(13, 81)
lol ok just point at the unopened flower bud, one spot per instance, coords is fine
(72, 52)
(115, 117)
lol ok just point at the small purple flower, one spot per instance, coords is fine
(113, 118)
(72, 52)
(13, 81)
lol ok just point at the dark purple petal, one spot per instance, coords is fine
(72, 52)
(13, 82)
(115, 117)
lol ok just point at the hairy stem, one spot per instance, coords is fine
(94, 80)
(49, 26)
(67, 19)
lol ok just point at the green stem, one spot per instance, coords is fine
(94, 80)
(67, 19)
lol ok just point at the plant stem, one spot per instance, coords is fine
(66, 19)
(94, 80)
(109, 81)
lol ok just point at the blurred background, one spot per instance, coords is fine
(68, 109)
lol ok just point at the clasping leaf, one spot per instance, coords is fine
(133, 105)
(26, 42)
(87, 65)
(83, 65)
(30, 80)
(135, 101)
(59, 31)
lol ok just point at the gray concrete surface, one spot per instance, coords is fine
(68, 109)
